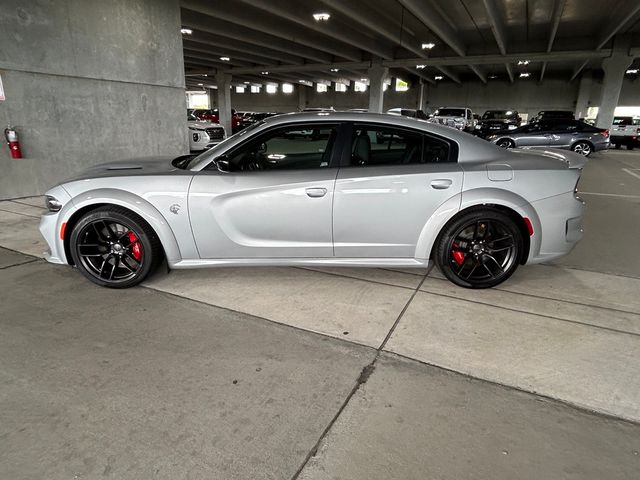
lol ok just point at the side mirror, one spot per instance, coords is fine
(223, 165)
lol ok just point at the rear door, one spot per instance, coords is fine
(391, 182)
(275, 200)
(533, 136)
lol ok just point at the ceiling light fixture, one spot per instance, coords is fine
(632, 71)
(186, 31)
(205, 75)
(524, 75)
(335, 69)
(428, 46)
(523, 62)
(439, 77)
(492, 77)
(264, 73)
(246, 83)
(200, 84)
(225, 59)
(420, 67)
(321, 16)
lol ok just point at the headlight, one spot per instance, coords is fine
(492, 137)
(52, 203)
(511, 127)
(478, 126)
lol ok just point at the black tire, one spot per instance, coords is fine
(630, 147)
(505, 143)
(582, 148)
(114, 247)
(617, 146)
(480, 248)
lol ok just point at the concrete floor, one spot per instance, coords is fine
(328, 373)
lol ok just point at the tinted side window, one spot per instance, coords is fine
(292, 147)
(374, 145)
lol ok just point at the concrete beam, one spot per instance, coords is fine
(223, 52)
(617, 24)
(219, 26)
(509, 69)
(260, 21)
(450, 73)
(424, 11)
(564, 56)
(497, 27)
(298, 13)
(614, 68)
(478, 71)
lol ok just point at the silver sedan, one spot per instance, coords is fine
(334, 196)
(574, 135)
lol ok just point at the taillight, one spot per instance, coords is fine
(605, 133)
(637, 130)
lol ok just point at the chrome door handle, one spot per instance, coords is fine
(316, 192)
(441, 183)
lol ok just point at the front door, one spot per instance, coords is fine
(396, 181)
(274, 201)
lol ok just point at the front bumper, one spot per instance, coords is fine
(49, 230)
(561, 226)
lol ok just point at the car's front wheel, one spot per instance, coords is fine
(114, 247)
(479, 249)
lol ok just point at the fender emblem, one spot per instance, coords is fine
(175, 208)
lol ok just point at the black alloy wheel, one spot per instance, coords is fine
(115, 248)
(480, 249)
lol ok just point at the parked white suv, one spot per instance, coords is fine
(203, 135)
(456, 117)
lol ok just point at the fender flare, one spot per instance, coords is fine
(130, 201)
(474, 198)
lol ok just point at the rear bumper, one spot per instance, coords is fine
(632, 140)
(561, 226)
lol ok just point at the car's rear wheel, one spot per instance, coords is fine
(582, 148)
(114, 247)
(505, 143)
(479, 249)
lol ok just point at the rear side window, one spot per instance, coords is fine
(377, 145)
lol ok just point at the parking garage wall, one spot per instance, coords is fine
(88, 82)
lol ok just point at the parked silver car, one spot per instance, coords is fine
(574, 135)
(264, 197)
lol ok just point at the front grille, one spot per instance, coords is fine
(216, 133)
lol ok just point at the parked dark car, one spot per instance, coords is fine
(553, 115)
(574, 135)
(496, 121)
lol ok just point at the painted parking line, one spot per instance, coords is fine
(630, 171)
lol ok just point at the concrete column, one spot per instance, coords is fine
(211, 93)
(614, 68)
(376, 74)
(584, 95)
(223, 80)
(302, 97)
(421, 95)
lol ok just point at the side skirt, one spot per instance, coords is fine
(302, 262)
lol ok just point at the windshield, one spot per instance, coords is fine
(187, 163)
(450, 112)
(498, 114)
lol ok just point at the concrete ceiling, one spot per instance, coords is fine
(474, 39)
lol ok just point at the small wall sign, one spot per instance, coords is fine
(1, 90)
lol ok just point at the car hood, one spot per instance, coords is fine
(159, 165)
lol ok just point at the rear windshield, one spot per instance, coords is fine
(450, 112)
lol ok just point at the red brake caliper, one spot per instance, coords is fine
(136, 248)
(458, 256)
